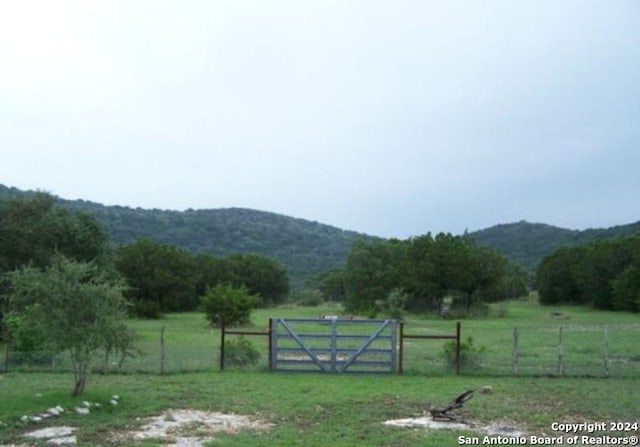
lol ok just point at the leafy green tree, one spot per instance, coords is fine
(603, 262)
(260, 275)
(558, 277)
(449, 264)
(33, 229)
(74, 306)
(437, 267)
(372, 270)
(419, 277)
(211, 270)
(626, 288)
(393, 306)
(601, 274)
(331, 284)
(480, 269)
(515, 282)
(161, 278)
(228, 305)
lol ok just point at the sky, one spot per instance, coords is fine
(391, 118)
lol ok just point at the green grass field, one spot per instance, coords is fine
(594, 343)
(348, 410)
(317, 410)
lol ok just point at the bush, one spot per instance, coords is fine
(470, 354)
(459, 311)
(309, 297)
(240, 352)
(24, 334)
(228, 304)
(394, 304)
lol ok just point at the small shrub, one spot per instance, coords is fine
(459, 311)
(146, 309)
(470, 354)
(240, 352)
(309, 297)
(393, 305)
(230, 304)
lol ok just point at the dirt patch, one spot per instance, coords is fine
(55, 435)
(494, 429)
(192, 428)
(427, 422)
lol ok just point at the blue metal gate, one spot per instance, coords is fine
(334, 345)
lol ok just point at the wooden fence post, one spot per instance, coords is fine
(6, 357)
(401, 350)
(162, 351)
(606, 351)
(458, 348)
(560, 352)
(222, 334)
(270, 343)
(516, 354)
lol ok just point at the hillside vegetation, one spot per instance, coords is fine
(304, 247)
(528, 243)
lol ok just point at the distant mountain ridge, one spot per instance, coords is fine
(528, 243)
(305, 247)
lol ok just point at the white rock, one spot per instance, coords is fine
(113, 402)
(54, 435)
(81, 410)
(53, 411)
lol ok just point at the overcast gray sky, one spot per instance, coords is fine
(392, 118)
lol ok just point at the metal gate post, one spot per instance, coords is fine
(394, 344)
(270, 344)
(334, 344)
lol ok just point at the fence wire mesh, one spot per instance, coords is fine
(564, 350)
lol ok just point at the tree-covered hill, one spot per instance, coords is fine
(304, 247)
(528, 242)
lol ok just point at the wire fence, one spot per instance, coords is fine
(564, 350)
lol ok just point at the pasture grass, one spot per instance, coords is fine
(594, 343)
(316, 410)
(348, 410)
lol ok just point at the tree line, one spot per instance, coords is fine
(604, 275)
(163, 278)
(420, 274)
(65, 287)
(159, 277)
